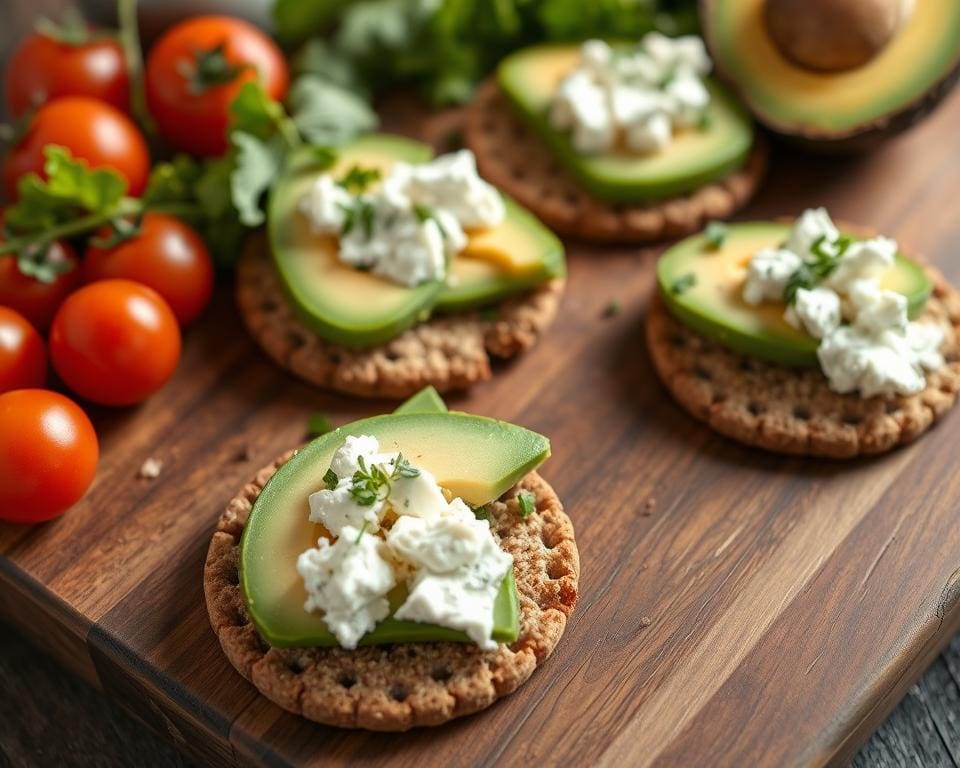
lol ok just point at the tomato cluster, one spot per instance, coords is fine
(107, 311)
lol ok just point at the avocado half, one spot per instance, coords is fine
(850, 108)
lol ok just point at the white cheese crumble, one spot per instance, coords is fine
(412, 224)
(448, 558)
(636, 98)
(348, 580)
(867, 343)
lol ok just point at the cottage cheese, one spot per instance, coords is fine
(877, 350)
(636, 99)
(449, 560)
(768, 273)
(408, 229)
(348, 580)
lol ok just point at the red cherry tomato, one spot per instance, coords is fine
(48, 455)
(195, 70)
(166, 255)
(37, 301)
(90, 129)
(115, 342)
(23, 358)
(42, 69)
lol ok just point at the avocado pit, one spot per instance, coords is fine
(834, 35)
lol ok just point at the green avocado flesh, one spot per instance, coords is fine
(475, 458)
(714, 307)
(828, 104)
(348, 306)
(427, 400)
(694, 158)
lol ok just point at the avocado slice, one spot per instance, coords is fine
(474, 457)
(427, 400)
(359, 309)
(695, 157)
(839, 109)
(519, 254)
(713, 305)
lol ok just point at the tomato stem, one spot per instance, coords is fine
(129, 35)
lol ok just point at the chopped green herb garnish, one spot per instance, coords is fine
(318, 424)
(363, 530)
(481, 513)
(715, 234)
(811, 272)
(489, 314)
(358, 180)
(361, 213)
(528, 503)
(612, 309)
(423, 212)
(368, 484)
(683, 283)
(403, 468)
(331, 480)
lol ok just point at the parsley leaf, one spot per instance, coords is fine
(257, 166)
(683, 283)
(330, 480)
(358, 179)
(368, 483)
(528, 503)
(318, 424)
(481, 513)
(826, 256)
(715, 235)
(327, 113)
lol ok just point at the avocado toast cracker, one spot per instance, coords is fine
(387, 271)
(460, 577)
(616, 143)
(809, 339)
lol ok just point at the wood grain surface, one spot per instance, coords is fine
(764, 611)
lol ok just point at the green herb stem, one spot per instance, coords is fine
(128, 207)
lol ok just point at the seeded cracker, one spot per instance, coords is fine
(397, 687)
(511, 157)
(793, 410)
(449, 351)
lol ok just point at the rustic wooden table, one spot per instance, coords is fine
(49, 717)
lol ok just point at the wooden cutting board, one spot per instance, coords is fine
(737, 608)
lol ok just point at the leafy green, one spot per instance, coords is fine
(72, 188)
(330, 480)
(528, 503)
(258, 164)
(715, 234)
(318, 424)
(327, 113)
(446, 46)
(357, 180)
(683, 283)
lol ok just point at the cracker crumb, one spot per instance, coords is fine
(646, 621)
(150, 469)
(648, 507)
(242, 454)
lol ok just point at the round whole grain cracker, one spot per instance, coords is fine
(449, 351)
(793, 410)
(401, 686)
(511, 156)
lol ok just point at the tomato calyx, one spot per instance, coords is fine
(72, 29)
(209, 68)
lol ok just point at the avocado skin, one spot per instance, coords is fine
(308, 630)
(860, 139)
(708, 320)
